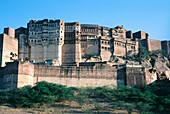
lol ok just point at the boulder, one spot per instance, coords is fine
(146, 63)
(118, 60)
(160, 64)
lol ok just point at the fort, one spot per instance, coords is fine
(73, 54)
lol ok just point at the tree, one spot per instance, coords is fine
(143, 53)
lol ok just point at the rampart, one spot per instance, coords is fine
(155, 44)
(83, 76)
(18, 74)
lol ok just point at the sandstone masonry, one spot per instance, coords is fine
(58, 52)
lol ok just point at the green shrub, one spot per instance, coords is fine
(122, 105)
(98, 107)
(162, 104)
(82, 95)
(134, 57)
(119, 104)
(88, 111)
(40, 94)
(21, 97)
(143, 53)
(60, 92)
(134, 95)
(144, 107)
(122, 97)
(81, 99)
(129, 107)
(3, 96)
(156, 52)
(104, 93)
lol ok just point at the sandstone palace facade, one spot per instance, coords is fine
(54, 48)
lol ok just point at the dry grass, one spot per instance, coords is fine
(66, 107)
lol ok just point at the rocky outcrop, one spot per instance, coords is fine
(92, 59)
(132, 62)
(146, 64)
(118, 60)
(160, 64)
(167, 74)
(157, 64)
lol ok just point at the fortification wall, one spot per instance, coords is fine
(10, 76)
(9, 45)
(83, 76)
(145, 43)
(18, 74)
(155, 45)
(135, 75)
(25, 74)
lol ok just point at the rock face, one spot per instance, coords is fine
(118, 60)
(92, 59)
(167, 73)
(146, 63)
(160, 64)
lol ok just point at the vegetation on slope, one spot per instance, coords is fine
(143, 99)
(145, 55)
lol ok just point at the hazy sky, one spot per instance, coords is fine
(152, 16)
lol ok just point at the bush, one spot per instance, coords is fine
(3, 96)
(156, 52)
(145, 98)
(143, 53)
(81, 99)
(134, 57)
(40, 94)
(98, 107)
(122, 105)
(134, 95)
(144, 107)
(60, 92)
(104, 93)
(83, 94)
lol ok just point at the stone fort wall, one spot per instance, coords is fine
(151, 45)
(83, 76)
(18, 74)
(155, 45)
